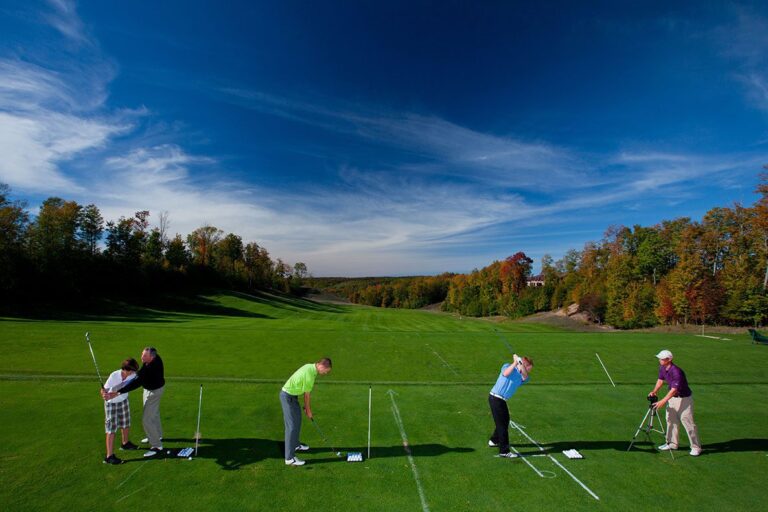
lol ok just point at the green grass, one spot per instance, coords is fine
(435, 369)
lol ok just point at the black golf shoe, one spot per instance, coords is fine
(128, 446)
(112, 459)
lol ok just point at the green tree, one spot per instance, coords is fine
(201, 243)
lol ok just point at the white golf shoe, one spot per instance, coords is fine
(302, 448)
(695, 453)
(146, 439)
(492, 444)
(294, 462)
(666, 447)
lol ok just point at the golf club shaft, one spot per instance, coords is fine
(325, 439)
(93, 356)
(199, 410)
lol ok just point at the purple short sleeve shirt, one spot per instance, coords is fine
(675, 378)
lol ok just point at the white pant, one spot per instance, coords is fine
(681, 410)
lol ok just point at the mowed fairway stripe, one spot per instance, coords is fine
(515, 425)
(407, 448)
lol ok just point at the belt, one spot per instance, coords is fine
(498, 396)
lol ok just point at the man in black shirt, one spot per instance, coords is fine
(151, 376)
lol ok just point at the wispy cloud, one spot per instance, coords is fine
(64, 18)
(441, 197)
(745, 42)
(458, 151)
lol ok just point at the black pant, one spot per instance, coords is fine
(500, 413)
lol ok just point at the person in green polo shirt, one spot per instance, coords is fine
(301, 382)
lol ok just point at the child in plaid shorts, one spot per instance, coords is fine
(117, 411)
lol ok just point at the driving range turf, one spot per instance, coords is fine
(430, 376)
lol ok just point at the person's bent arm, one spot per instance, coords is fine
(307, 408)
(663, 401)
(658, 385)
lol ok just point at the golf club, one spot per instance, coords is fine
(325, 439)
(93, 356)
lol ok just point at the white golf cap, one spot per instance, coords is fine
(664, 354)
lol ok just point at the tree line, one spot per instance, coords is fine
(679, 271)
(67, 252)
(388, 292)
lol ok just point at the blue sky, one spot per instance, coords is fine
(387, 138)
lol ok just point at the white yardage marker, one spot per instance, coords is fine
(407, 448)
(583, 486)
(604, 368)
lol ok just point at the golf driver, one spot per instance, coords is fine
(325, 439)
(93, 356)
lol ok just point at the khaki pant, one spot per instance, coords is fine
(681, 410)
(151, 417)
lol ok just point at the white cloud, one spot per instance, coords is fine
(459, 151)
(65, 19)
(40, 128)
(745, 42)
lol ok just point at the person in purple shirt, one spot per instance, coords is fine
(680, 401)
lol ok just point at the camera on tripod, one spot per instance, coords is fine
(652, 399)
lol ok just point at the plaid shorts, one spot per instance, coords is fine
(118, 415)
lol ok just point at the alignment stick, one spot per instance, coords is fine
(369, 421)
(604, 368)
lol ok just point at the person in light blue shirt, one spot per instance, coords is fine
(511, 377)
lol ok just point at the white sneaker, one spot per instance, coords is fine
(508, 455)
(492, 444)
(294, 462)
(151, 453)
(666, 447)
(302, 448)
(695, 452)
(146, 439)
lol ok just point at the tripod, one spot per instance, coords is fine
(647, 426)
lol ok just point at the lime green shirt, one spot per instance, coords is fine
(302, 380)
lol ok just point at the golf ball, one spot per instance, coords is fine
(168, 452)
(189, 458)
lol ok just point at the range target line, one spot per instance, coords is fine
(605, 369)
(541, 448)
(407, 448)
(509, 347)
(445, 363)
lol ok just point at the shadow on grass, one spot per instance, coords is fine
(735, 445)
(230, 454)
(641, 445)
(383, 452)
(287, 302)
(164, 309)
(233, 454)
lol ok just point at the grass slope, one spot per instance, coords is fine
(430, 375)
